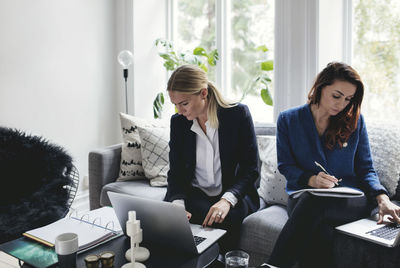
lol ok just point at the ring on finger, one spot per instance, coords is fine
(219, 214)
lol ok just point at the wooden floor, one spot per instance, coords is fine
(7, 261)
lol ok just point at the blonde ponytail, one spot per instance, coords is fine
(215, 100)
(190, 79)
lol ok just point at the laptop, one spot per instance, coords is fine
(387, 234)
(164, 223)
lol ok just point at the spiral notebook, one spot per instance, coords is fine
(93, 228)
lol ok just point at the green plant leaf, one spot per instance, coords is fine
(199, 51)
(163, 42)
(158, 104)
(264, 79)
(262, 48)
(213, 57)
(204, 67)
(266, 96)
(267, 65)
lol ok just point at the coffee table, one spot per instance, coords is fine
(159, 256)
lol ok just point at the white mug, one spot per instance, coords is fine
(66, 246)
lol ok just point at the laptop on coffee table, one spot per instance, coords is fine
(164, 223)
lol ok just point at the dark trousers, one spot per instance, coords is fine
(198, 204)
(307, 237)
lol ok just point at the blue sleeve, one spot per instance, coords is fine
(363, 165)
(296, 177)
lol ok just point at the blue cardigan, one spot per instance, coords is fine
(299, 145)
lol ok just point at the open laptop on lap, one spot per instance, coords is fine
(387, 235)
(164, 223)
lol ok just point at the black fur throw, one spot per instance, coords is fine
(33, 173)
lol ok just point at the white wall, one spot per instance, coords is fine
(149, 23)
(58, 72)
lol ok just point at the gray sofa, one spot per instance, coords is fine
(260, 230)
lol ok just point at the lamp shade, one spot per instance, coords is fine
(125, 58)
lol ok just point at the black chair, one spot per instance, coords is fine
(38, 183)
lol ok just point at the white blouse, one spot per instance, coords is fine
(208, 174)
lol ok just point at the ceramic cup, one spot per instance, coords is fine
(66, 245)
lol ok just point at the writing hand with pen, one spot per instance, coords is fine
(323, 179)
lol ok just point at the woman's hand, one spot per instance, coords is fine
(217, 212)
(386, 207)
(322, 180)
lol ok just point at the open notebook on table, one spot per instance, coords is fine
(93, 228)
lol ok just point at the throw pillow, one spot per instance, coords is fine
(131, 158)
(154, 152)
(385, 149)
(272, 183)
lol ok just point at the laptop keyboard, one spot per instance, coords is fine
(388, 232)
(198, 239)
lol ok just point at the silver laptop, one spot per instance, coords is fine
(387, 234)
(164, 223)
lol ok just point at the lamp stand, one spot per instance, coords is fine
(126, 90)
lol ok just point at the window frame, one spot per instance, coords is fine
(295, 58)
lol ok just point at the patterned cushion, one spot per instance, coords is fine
(385, 149)
(131, 156)
(272, 183)
(155, 151)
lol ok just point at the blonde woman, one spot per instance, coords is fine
(213, 155)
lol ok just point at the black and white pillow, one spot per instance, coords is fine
(131, 157)
(154, 152)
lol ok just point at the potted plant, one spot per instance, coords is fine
(205, 60)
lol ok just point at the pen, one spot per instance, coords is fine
(324, 170)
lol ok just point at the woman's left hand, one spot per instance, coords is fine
(217, 212)
(386, 207)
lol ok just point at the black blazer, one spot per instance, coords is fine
(238, 153)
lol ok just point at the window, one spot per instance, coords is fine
(376, 56)
(245, 26)
(195, 26)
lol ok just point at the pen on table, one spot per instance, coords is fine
(324, 170)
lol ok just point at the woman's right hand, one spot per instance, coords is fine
(322, 180)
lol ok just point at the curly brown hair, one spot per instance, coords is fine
(342, 125)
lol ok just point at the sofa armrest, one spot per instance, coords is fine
(104, 165)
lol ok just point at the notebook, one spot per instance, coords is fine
(340, 192)
(164, 223)
(93, 228)
(387, 235)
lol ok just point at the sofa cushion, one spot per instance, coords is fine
(272, 183)
(131, 157)
(384, 141)
(260, 231)
(139, 188)
(154, 150)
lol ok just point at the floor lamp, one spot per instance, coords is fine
(125, 58)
